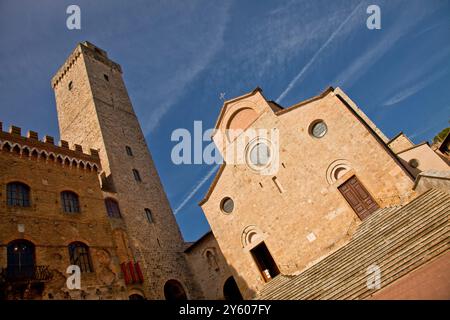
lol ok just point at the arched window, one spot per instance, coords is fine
(112, 207)
(231, 290)
(211, 259)
(174, 291)
(21, 259)
(136, 296)
(18, 194)
(79, 255)
(70, 201)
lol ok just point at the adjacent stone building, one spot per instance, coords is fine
(52, 215)
(212, 272)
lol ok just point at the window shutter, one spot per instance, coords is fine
(139, 272)
(132, 274)
(123, 266)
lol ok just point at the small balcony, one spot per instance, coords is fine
(26, 274)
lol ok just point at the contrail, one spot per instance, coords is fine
(313, 59)
(197, 187)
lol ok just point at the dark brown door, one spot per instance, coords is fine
(264, 261)
(358, 197)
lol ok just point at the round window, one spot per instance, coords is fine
(260, 154)
(227, 205)
(318, 129)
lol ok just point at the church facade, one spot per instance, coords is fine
(330, 167)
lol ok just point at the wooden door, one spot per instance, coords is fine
(358, 197)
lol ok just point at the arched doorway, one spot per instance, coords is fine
(231, 290)
(174, 291)
(21, 259)
(136, 296)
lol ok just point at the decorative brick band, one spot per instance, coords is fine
(32, 147)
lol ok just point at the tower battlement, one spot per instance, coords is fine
(83, 48)
(30, 145)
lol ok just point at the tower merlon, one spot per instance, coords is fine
(31, 142)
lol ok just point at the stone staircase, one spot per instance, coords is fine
(396, 239)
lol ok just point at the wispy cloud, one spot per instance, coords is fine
(186, 57)
(196, 188)
(389, 38)
(294, 81)
(405, 94)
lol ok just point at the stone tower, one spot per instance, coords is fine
(94, 110)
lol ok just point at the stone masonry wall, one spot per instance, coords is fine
(51, 230)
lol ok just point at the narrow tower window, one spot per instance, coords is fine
(148, 214)
(106, 77)
(129, 151)
(137, 176)
(70, 85)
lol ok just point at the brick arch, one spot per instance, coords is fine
(69, 190)
(34, 153)
(43, 155)
(16, 148)
(174, 290)
(67, 161)
(24, 236)
(59, 159)
(12, 180)
(78, 239)
(6, 144)
(26, 151)
(135, 292)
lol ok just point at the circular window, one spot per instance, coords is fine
(260, 154)
(414, 163)
(318, 129)
(227, 205)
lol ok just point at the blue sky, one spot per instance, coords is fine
(179, 56)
